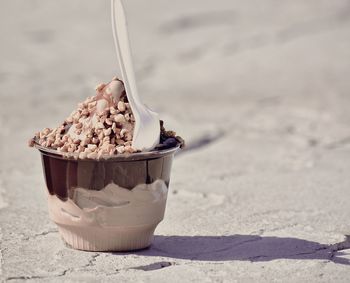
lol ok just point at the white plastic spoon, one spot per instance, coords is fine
(147, 127)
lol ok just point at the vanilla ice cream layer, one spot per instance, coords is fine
(112, 206)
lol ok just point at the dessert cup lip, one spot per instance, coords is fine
(155, 153)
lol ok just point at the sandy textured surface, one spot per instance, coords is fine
(260, 89)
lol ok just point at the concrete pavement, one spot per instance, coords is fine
(259, 89)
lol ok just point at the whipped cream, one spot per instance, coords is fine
(112, 206)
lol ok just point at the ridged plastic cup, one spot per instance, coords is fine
(111, 204)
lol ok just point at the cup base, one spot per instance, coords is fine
(100, 239)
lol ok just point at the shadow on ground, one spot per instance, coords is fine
(243, 248)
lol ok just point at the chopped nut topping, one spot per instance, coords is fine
(121, 106)
(99, 126)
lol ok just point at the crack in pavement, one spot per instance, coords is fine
(24, 277)
(29, 237)
(30, 277)
(63, 273)
(44, 233)
(345, 245)
(91, 262)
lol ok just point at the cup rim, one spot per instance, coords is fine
(155, 153)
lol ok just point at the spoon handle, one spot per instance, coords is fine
(122, 45)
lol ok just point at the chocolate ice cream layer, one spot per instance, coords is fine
(63, 175)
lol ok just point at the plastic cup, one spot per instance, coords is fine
(112, 204)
